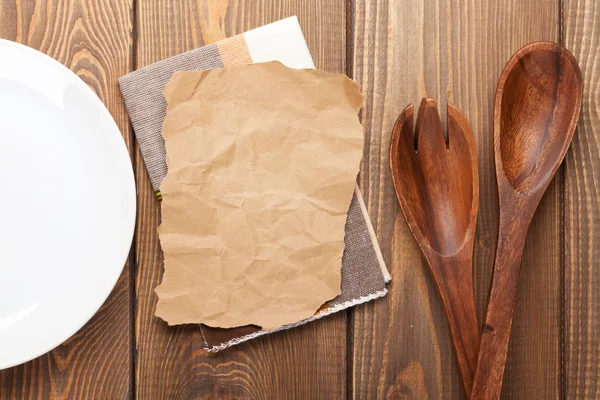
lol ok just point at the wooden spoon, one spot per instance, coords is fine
(438, 190)
(537, 105)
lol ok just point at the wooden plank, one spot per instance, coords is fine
(93, 39)
(307, 362)
(483, 36)
(458, 50)
(401, 344)
(581, 27)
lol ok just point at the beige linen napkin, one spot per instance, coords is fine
(364, 274)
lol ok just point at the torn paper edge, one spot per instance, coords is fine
(330, 310)
(319, 315)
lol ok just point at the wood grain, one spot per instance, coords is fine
(398, 59)
(455, 51)
(398, 347)
(306, 362)
(93, 39)
(581, 362)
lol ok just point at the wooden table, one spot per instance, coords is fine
(396, 347)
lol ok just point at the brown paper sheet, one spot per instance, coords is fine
(262, 163)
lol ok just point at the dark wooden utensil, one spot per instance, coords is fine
(537, 105)
(438, 190)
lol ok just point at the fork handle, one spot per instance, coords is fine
(453, 278)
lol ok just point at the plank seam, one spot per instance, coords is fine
(349, 10)
(562, 390)
(133, 266)
(350, 38)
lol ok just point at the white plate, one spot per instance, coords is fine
(67, 202)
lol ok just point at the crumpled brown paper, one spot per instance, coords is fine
(262, 166)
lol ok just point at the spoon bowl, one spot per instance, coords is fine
(538, 103)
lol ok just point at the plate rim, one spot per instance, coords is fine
(130, 224)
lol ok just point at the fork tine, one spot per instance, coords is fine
(402, 132)
(428, 133)
(459, 130)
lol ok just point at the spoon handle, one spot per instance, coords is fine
(454, 281)
(499, 314)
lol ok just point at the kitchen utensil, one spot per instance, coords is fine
(68, 202)
(537, 105)
(438, 189)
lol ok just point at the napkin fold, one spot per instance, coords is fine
(364, 274)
